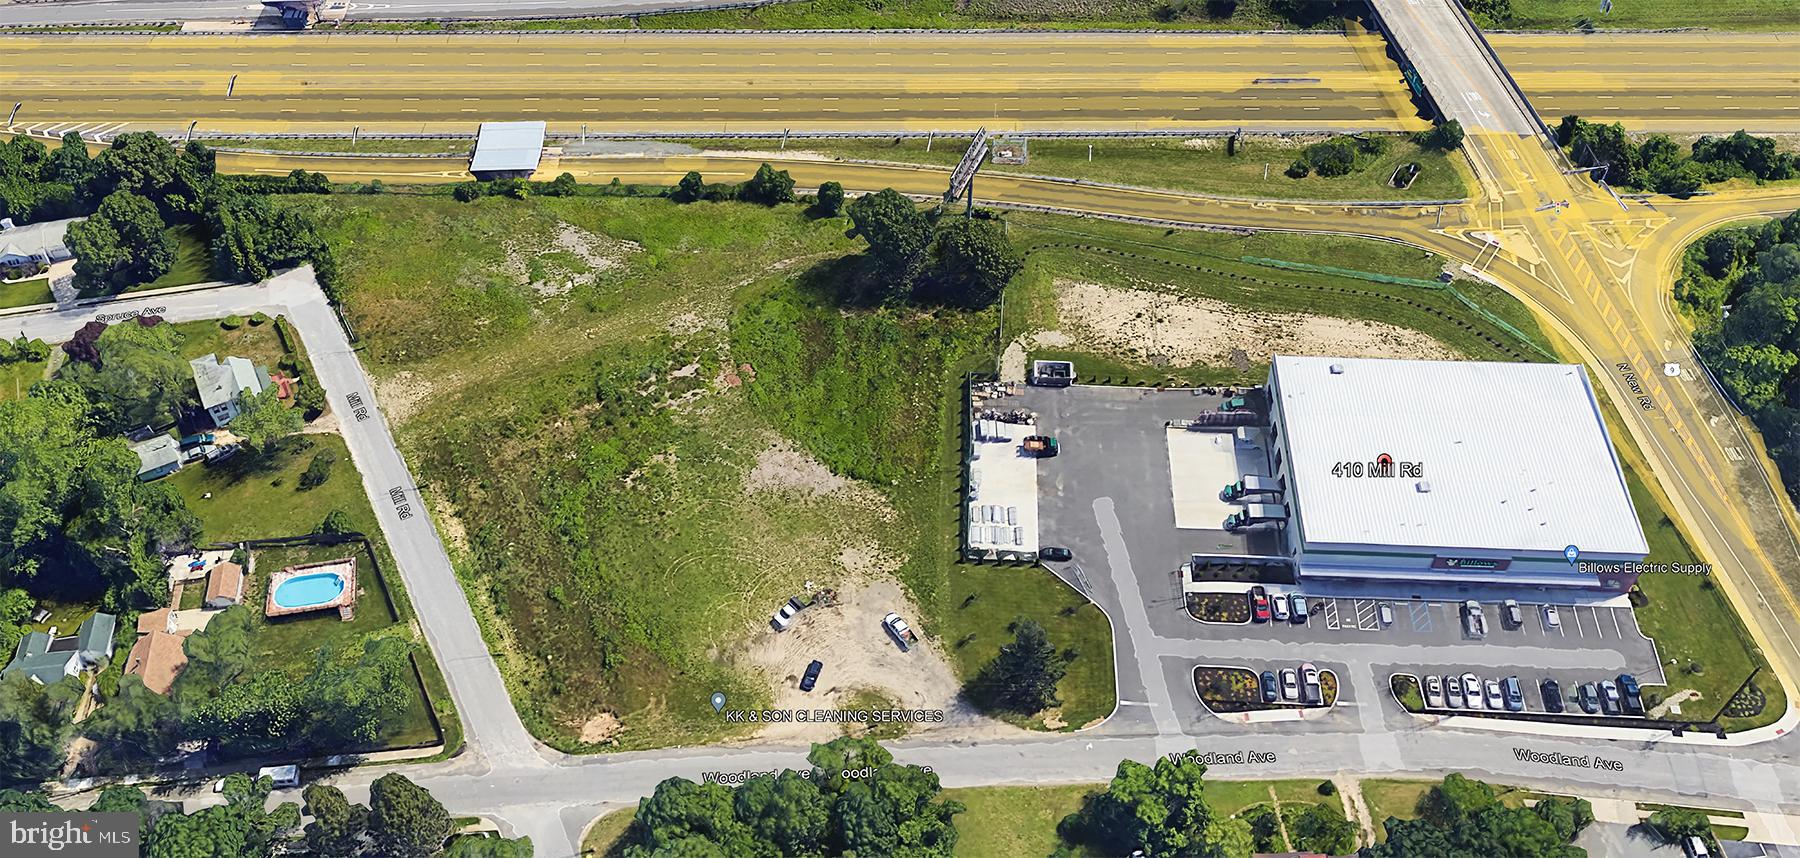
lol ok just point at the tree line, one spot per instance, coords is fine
(1741, 285)
(402, 820)
(136, 190)
(1658, 164)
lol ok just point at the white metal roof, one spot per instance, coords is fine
(508, 146)
(1516, 456)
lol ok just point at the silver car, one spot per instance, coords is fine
(1495, 700)
(1472, 690)
(1434, 692)
(1453, 693)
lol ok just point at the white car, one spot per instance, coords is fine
(1385, 613)
(903, 633)
(784, 615)
(1552, 619)
(1278, 606)
(1495, 700)
(1453, 693)
(1290, 684)
(1472, 691)
(1434, 692)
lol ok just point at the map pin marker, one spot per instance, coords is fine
(1571, 553)
(718, 700)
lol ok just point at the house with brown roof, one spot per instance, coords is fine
(160, 654)
(224, 585)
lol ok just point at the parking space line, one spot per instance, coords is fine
(1575, 611)
(1619, 631)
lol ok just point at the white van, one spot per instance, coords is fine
(285, 777)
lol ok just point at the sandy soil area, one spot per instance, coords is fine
(1153, 326)
(859, 654)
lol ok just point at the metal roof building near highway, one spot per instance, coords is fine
(1448, 471)
(506, 150)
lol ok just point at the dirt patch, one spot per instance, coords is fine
(601, 728)
(860, 657)
(401, 394)
(783, 468)
(573, 257)
(1157, 327)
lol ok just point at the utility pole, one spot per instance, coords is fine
(230, 86)
(355, 132)
(584, 132)
(928, 136)
(190, 134)
(1090, 153)
(15, 112)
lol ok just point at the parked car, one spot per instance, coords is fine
(784, 615)
(1552, 619)
(1290, 684)
(1589, 698)
(1041, 446)
(1509, 611)
(1494, 699)
(1634, 696)
(1695, 847)
(1434, 692)
(1056, 554)
(1278, 608)
(1385, 613)
(196, 439)
(1259, 604)
(1474, 623)
(1453, 693)
(903, 633)
(811, 677)
(1552, 694)
(1515, 696)
(1235, 403)
(285, 777)
(1271, 691)
(1610, 701)
(1309, 684)
(1472, 691)
(1298, 605)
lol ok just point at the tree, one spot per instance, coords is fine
(219, 654)
(143, 164)
(974, 262)
(1681, 180)
(769, 186)
(1329, 158)
(1569, 816)
(787, 812)
(15, 608)
(1594, 144)
(251, 238)
(404, 819)
(831, 199)
(263, 420)
(691, 188)
(1316, 828)
(34, 727)
(1445, 136)
(318, 470)
(1779, 264)
(138, 378)
(1463, 818)
(1161, 809)
(681, 811)
(897, 232)
(1565, 130)
(563, 186)
(338, 828)
(1022, 677)
(1755, 373)
(240, 828)
(19, 801)
(134, 727)
(336, 521)
(124, 244)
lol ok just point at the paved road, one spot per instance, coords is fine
(710, 82)
(112, 11)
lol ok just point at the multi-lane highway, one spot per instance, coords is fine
(65, 12)
(675, 83)
(710, 82)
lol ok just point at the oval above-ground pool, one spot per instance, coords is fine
(305, 591)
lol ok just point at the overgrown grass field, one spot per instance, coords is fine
(1762, 15)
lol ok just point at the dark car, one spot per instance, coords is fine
(1552, 692)
(1589, 698)
(811, 678)
(1271, 690)
(1259, 604)
(1515, 696)
(1634, 696)
(1056, 554)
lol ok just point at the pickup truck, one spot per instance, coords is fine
(1040, 445)
(903, 633)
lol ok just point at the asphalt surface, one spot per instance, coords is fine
(120, 11)
(710, 82)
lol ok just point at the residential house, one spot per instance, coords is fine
(160, 653)
(47, 660)
(24, 248)
(159, 456)
(224, 585)
(223, 385)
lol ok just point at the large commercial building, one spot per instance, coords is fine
(1447, 472)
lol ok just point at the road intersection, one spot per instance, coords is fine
(1595, 270)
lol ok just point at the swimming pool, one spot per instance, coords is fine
(305, 591)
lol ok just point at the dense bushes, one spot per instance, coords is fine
(1658, 164)
(958, 261)
(1755, 348)
(1337, 156)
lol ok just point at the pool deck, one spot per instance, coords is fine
(345, 603)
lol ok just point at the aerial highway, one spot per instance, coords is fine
(765, 82)
(63, 12)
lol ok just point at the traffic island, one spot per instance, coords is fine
(1221, 608)
(1235, 694)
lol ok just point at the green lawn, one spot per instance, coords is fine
(1014, 822)
(193, 261)
(259, 496)
(1232, 797)
(605, 837)
(1765, 15)
(25, 293)
(16, 378)
(1200, 166)
(1394, 798)
(902, 14)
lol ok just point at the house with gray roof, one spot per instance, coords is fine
(34, 243)
(47, 660)
(159, 456)
(224, 384)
